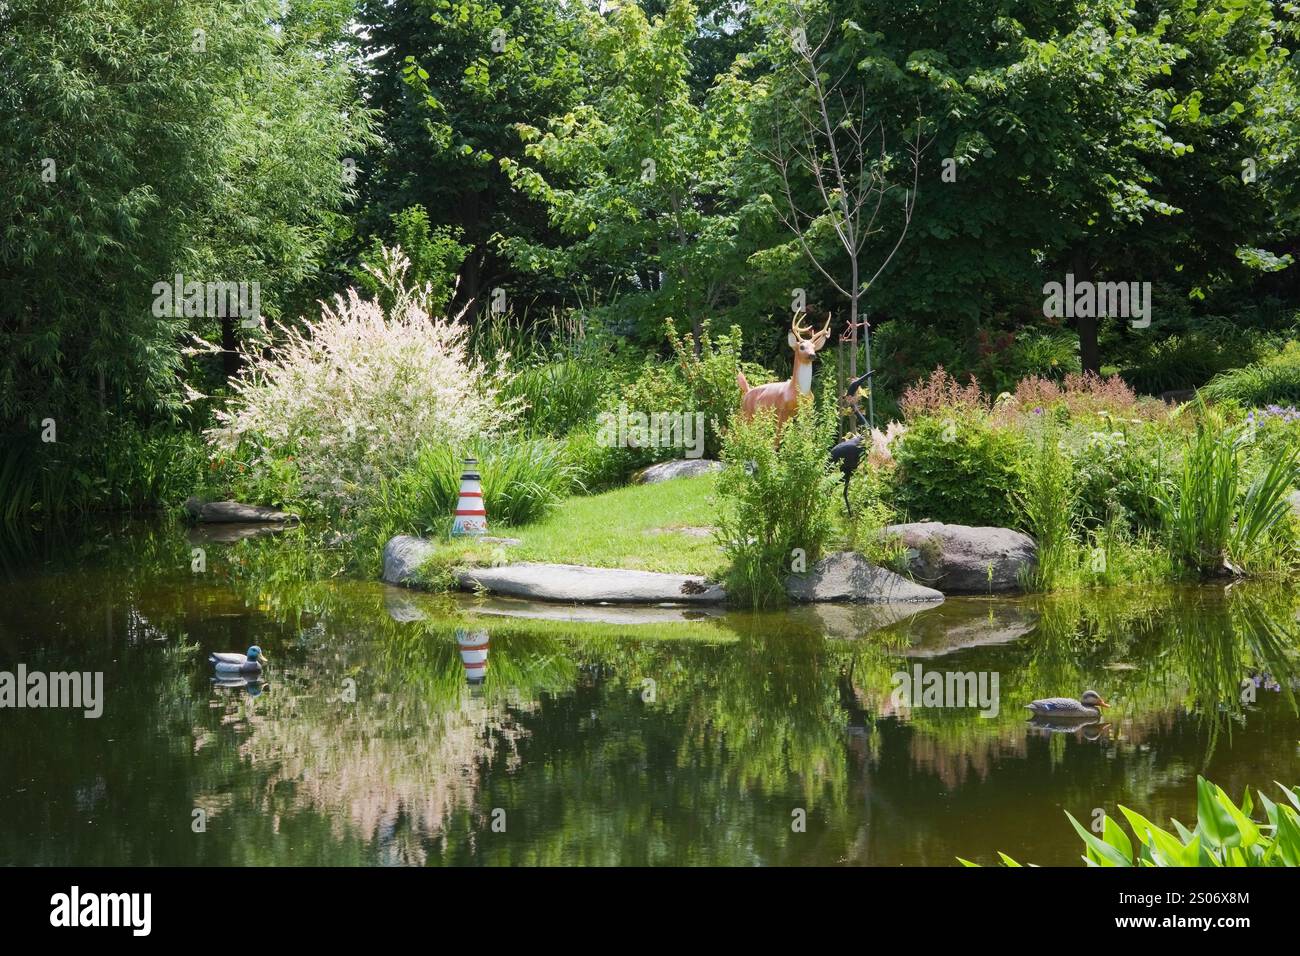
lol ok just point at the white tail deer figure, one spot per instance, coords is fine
(784, 396)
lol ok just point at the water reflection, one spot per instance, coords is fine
(400, 726)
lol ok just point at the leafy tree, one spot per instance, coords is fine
(653, 208)
(139, 140)
(450, 79)
(435, 254)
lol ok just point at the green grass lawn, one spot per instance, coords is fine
(632, 527)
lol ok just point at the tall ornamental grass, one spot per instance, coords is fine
(1213, 518)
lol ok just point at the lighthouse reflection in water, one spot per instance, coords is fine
(473, 655)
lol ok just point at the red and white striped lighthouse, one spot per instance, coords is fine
(473, 654)
(471, 518)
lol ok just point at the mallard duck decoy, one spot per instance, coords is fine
(239, 663)
(1089, 705)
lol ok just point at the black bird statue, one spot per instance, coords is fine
(848, 453)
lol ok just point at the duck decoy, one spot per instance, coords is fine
(238, 663)
(1089, 705)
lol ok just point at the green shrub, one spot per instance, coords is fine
(559, 394)
(596, 465)
(1273, 431)
(1226, 834)
(1117, 470)
(436, 255)
(655, 390)
(777, 500)
(960, 470)
(709, 377)
(1050, 355)
(690, 385)
(871, 496)
(1274, 379)
(1185, 360)
(120, 467)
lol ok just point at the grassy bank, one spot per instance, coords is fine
(658, 527)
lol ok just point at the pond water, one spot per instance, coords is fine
(398, 728)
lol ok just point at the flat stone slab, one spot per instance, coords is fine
(403, 556)
(576, 584)
(848, 576)
(681, 468)
(960, 559)
(225, 512)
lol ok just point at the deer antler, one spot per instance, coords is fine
(801, 330)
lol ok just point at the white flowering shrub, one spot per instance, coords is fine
(352, 397)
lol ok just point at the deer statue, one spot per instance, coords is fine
(784, 396)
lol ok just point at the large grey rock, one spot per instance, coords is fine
(848, 576)
(403, 556)
(575, 584)
(217, 512)
(959, 559)
(1294, 500)
(681, 468)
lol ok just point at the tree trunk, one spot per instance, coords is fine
(1089, 351)
(230, 360)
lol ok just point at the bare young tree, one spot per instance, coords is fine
(827, 136)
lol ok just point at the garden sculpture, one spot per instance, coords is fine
(228, 663)
(1089, 705)
(471, 517)
(784, 397)
(848, 453)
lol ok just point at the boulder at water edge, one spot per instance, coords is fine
(403, 556)
(959, 559)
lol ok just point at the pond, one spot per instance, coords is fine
(401, 728)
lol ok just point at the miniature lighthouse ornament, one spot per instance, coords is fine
(471, 518)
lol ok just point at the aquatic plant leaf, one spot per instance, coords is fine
(1163, 848)
(1213, 820)
(1101, 853)
(1287, 837)
(1116, 837)
(1292, 795)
